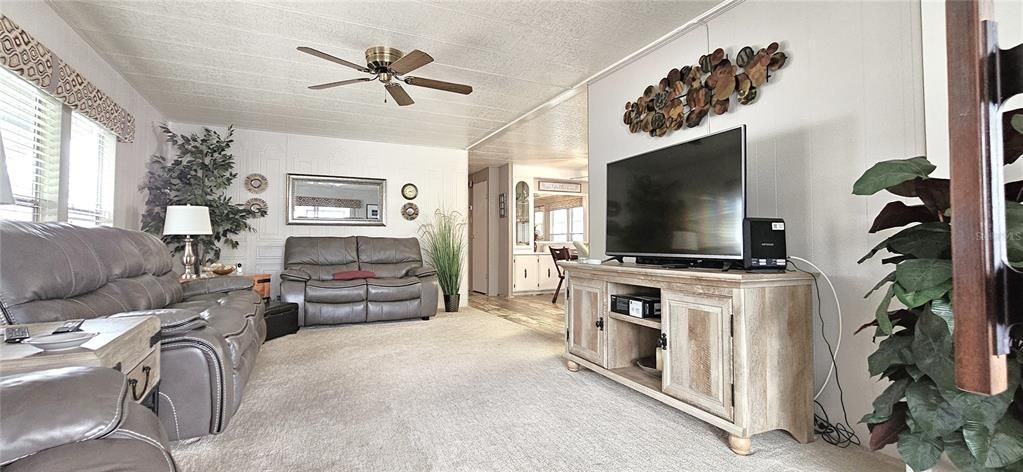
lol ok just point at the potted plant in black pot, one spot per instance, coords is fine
(444, 247)
(921, 409)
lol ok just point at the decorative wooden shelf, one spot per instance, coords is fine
(637, 375)
(654, 323)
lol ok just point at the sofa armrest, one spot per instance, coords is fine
(422, 272)
(50, 408)
(172, 321)
(297, 275)
(228, 283)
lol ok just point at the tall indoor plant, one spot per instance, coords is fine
(922, 410)
(200, 174)
(444, 246)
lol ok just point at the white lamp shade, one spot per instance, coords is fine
(187, 220)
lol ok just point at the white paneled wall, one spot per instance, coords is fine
(441, 175)
(39, 19)
(851, 95)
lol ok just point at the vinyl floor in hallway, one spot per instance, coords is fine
(535, 312)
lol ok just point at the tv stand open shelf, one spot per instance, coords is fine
(737, 347)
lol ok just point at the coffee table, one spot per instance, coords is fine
(130, 345)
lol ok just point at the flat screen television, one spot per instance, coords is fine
(685, 201)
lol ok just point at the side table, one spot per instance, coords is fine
(261, 285)
(130, 345)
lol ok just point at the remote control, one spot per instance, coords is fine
(15, 335)
(69, 327)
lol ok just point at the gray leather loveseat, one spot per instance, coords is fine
(399, 288)
(78, 418)
(211, 330)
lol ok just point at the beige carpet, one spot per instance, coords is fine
(467, 392)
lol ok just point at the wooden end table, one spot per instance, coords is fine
(130, 345)
(261, 285)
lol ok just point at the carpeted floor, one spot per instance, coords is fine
(467, 392)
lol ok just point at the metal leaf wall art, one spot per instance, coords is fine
(686, 96)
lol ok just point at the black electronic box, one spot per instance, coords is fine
(640, 306)
(764, 244)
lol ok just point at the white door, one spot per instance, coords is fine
(479, 246)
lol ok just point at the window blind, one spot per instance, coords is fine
(91, 172)
(30, 121)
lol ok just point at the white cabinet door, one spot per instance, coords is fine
(526, 273)
(548, 273)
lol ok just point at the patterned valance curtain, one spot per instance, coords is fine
(28, 58)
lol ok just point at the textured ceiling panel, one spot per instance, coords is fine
(220, 62)
(555, 137)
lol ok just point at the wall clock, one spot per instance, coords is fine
(255, 183)
(410, 211)
(409, 191)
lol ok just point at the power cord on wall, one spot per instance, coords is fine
(839, 434)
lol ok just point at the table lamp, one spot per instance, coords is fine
(6, 194)
(187, 221)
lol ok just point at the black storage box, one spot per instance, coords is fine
(281, 319)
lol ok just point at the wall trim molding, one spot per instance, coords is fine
(23, 55)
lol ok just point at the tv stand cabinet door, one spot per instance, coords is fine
(586, 303)
(698, 361)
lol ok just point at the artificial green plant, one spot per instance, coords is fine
(922, 410)
(200, 174)
(444, 246)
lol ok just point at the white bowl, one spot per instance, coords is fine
(60, 342)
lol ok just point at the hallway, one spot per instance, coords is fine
(532, 311)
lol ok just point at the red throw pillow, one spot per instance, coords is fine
(354, 274)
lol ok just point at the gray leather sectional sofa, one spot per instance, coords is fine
(401, 288)
(78, 418)
(212, 329)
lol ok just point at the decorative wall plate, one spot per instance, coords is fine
(409, 191)
(255, 205)
(255, 183)
(410, 211)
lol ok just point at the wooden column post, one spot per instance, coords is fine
(977, 204)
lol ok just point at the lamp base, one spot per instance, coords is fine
(188, 259)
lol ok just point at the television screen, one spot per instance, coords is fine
(682, 201)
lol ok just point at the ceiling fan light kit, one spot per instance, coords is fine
(389, 66)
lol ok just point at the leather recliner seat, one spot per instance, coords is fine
(78, 418)
(401, 289)
(211, 329)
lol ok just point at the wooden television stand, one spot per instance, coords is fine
(737, 346)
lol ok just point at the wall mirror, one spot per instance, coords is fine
(329, 200)
(523, 231)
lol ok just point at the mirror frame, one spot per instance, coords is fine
(294, 178)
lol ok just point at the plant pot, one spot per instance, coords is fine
(451, 303)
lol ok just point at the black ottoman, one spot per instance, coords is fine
(281, 319)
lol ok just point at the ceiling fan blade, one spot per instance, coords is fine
(339, 83)
(400, 96)
(439, 85)
(411, 62)
(337, 60)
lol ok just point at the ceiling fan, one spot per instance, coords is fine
(387, 64)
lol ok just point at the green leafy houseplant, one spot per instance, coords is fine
(922, 410)
(200, 175)
(444, 247)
